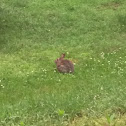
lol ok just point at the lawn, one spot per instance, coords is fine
(33, 33)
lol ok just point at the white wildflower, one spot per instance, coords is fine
(102, 55)
(101, 88)
(99, 61)
(2, 86)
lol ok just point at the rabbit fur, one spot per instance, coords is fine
(64, 65)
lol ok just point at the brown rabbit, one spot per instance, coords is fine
(63, 65)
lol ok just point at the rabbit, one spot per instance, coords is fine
(63, 65)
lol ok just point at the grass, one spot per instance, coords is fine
(33, 33)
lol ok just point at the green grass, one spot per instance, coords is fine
(33, 33)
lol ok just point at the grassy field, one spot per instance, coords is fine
(33, 33)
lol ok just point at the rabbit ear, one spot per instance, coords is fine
(63, 55)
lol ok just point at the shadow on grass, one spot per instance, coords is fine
(122, 22)
(8, 27)
(13, 26)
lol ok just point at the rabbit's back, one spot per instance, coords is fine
(66, 66)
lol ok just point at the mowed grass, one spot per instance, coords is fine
(33, 33)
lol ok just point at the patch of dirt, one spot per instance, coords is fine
(111, 5)
(102, 121)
